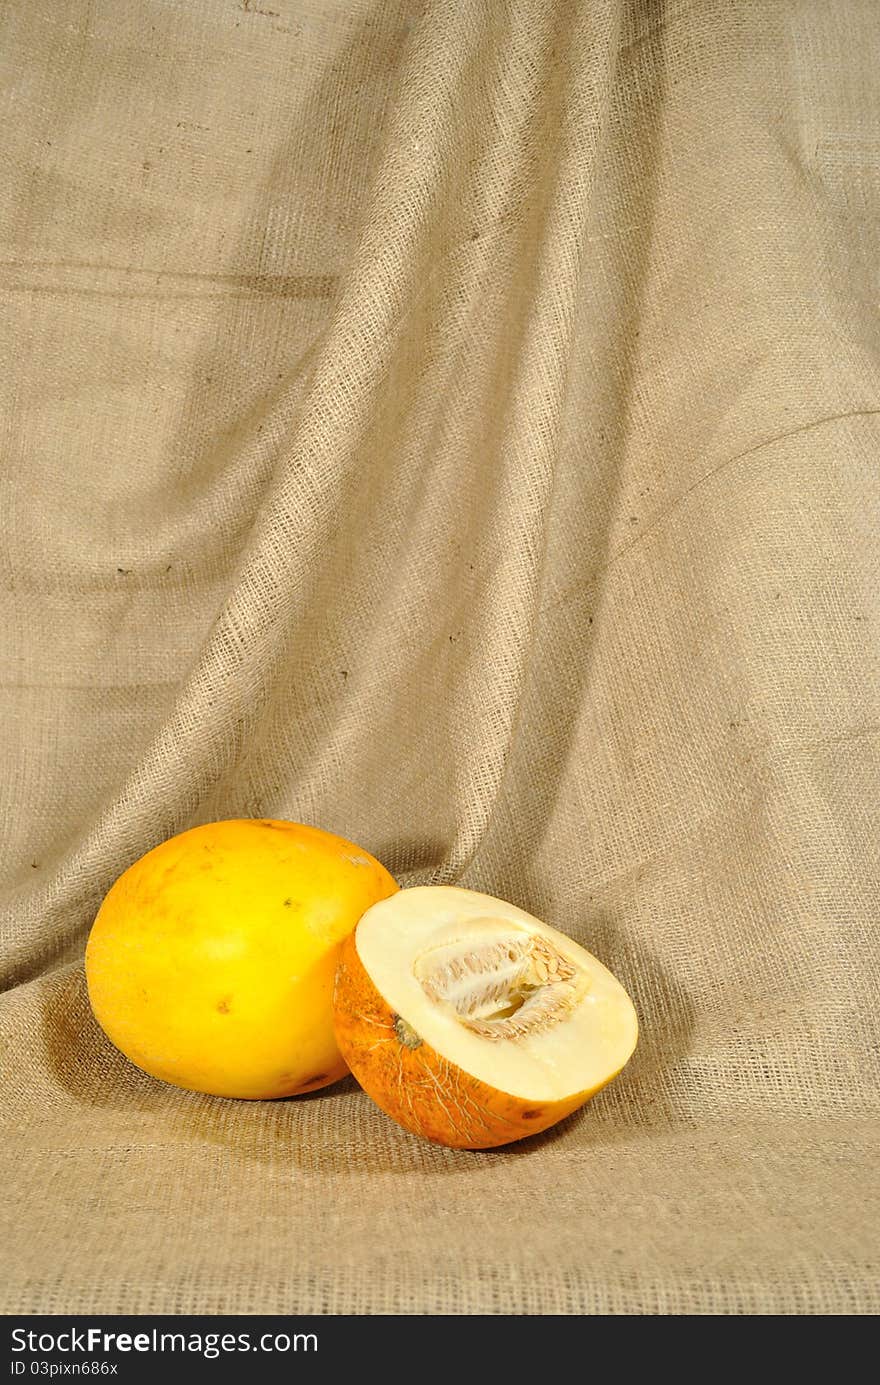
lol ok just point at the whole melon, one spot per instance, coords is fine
(211, 961)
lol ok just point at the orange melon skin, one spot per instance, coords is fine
(419, 1088)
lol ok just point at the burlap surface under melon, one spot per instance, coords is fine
(454, 424)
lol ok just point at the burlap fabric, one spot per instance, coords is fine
(455, 425)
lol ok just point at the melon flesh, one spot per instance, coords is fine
(492, 993)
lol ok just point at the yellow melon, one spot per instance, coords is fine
(211, 961)
(472, 1023)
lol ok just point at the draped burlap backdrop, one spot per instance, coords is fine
(454, 424)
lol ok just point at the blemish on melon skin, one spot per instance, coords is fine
(355, 858)
(406, 1034)
(531, 1115)
(224, 1005)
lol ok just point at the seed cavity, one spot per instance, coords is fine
(501, 982)
(540, 1010)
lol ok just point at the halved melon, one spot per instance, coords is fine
(472, 1023)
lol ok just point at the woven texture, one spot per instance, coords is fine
(454, 424)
